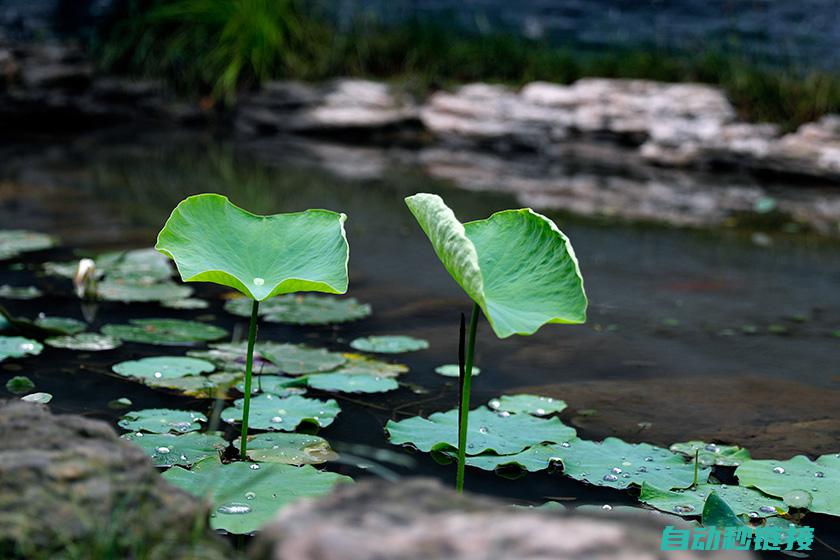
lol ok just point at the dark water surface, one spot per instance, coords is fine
(669, 307)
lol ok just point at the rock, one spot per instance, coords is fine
(338, 105)
(68, 479)
(418, 519)
(814, 147)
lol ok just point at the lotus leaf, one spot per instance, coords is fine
(533, 459)
(289, 449)
(277, 385)
(244, 498)
(284, 413)
(297, 359)
(121, 290)
(162, 421)
(516, 265)
(14, 242)
(618, 464)
(529, 404)
(89, 342)
(349, 383)
(19, 292)
(357, 364)
(213, 386)
(799, 481)
(19, 385)
(307, 309)
(710, 454)
(690, 501)
(503, 434)
(167, 450)
(40, 398)
(188, 303)
(18, 347)
(231, 356)
(165, 331)
(64, 325)
(211, 240)
(454, 370)
(389, 344)
(163, 367)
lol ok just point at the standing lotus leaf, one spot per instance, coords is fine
(212, 240)
(516, 265)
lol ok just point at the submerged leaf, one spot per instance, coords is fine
(165, 331)
(162, 420)
(212, 240)
(89, 342)
(389, 344)
(515, 264)
(289, 449)
(284, 414)
(18, 347)
(166, 450)
(307, 309)
(245, 498)
(800, 482)
(19, 385)
(488, 431)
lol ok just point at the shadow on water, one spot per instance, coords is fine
(692, 334)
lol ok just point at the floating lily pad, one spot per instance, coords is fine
(186, 303)
(64, 325)
(618, 464)
(89, 342)
(272, 255)
(213, 386)
(231, 356)
(167, 450)
(800, 482)
(298, 359)
(40, 398)
(488, 431)
(284, 413)
(277, 385)
(533, 459)
(710, 454)
(19, 385)
(162, 420)
(689, 502)
(389, 344)
(120, 403)
(358, 364)
(165, 331)
(289, 449)
(454, 370)
(245, 498)
(19, 292)
(516, 264)
(15, 242)
(18, 347)
(163, 367)
(528, 404)
(349, 383)
(303, 309)
(137, 265)
(128, 292)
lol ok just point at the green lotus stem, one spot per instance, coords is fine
(249, 364)
(464, 418)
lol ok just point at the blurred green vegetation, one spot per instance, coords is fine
(222, 47)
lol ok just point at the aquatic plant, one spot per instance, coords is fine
(518, 268)
(212, 240)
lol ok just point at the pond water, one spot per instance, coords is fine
(691, 334)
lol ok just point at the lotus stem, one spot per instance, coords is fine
(464, 416)
(249, 365)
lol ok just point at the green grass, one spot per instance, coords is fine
(223, 47)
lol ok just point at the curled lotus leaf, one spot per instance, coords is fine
(245, 496)
(710, 454)
(516, 265)
(212, 240)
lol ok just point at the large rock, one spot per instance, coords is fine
(418, 519)
(338, 105)
(68, 480)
